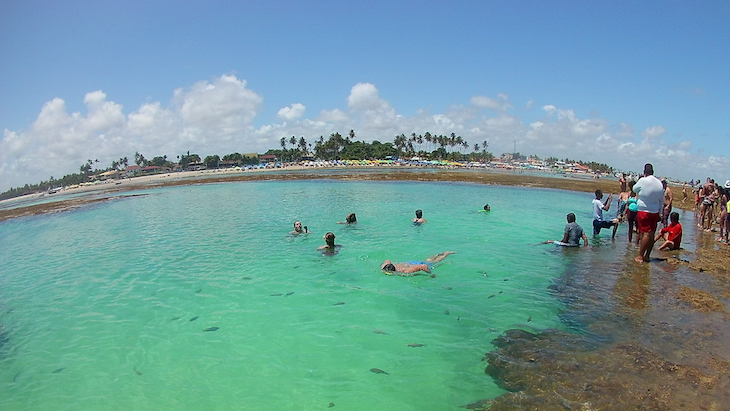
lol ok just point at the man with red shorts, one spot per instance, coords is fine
(651, 201)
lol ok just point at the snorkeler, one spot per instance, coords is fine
(412, 268)
(486, 208)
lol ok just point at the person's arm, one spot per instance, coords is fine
(565, 237)
(607, 204)
(585, 240)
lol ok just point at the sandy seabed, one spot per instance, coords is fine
(677, 359)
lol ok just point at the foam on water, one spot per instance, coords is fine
(106, 307)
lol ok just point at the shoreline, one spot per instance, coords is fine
(541, 369)
(34, 204)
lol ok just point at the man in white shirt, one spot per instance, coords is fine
(650, 202)
(598, 209)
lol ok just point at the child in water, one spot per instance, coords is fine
(671, 234)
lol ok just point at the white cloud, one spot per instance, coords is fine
(216, 117)
(293, 112)
(654, 131)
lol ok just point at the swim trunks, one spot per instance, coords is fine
(429, 265)
(598, 225)
(646, 222)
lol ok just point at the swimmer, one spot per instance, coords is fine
(412, 268)
(573, 234)
(350, 219)
(298, 229)
(419, 218)
(486, 208)
(329, 248)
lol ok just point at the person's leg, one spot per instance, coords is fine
(649, 246)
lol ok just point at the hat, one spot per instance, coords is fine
(727, 184)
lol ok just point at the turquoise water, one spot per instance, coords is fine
(105, 307)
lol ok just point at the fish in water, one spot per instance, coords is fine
(332, 404)
(289, 293)
(246, 277)
(276, 294)
(174, 318)
(529, 319)
(137, 371)
(446, 287)
(58, 370)
(339, 303)
(378, 371)
(380, 332)
(199, 290)
(447, 312)
(193, 319)
(211, 329)
(491, 296)
(415, 345)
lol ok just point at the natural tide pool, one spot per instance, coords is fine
(107, 307)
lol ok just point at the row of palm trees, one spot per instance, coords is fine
(405, 145)
(413, 144)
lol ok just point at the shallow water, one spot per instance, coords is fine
(106, 307)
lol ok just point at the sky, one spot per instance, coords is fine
(616, 82)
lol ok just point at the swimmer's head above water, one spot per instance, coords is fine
(388, 267)
(487, 207)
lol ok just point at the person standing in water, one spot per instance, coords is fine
(650, 202)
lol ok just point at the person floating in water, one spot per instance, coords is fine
(412, 268)
(298, 229)
(672, 234)
(350, 219)
(329, 248)
(487, 207)
(419, 218)
(573, 234)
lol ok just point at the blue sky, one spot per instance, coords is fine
(620, 82)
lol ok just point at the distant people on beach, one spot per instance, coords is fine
(419, 218)
(672, 234)
(329, 248)
(411, 268)
(632, 209)
(598, 209)
(722, 219)
(622, 183)
(707, 201)
(350, 219)
(572, 234)
(668, 200)
(298, 229)
(651, 201)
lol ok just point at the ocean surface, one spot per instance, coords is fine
(197, 297)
